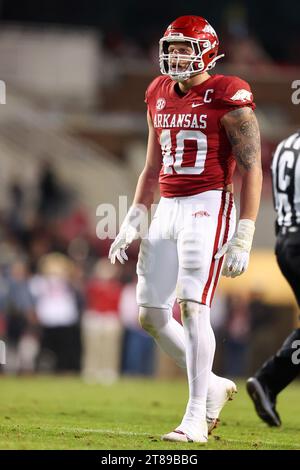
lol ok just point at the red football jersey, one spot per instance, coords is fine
(196, 153)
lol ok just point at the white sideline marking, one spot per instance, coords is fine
(148, 434)
(108, 431)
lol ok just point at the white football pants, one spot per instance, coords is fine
(177, 257)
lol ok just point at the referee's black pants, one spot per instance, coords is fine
(278, 371)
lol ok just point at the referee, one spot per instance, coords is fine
(278, 371)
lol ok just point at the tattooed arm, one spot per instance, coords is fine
(243, 133)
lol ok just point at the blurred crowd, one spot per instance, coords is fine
(63, 306)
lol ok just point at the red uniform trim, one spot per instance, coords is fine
(216, 244)
(225, 238)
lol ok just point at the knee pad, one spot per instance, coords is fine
(153, 319)
(189, 285)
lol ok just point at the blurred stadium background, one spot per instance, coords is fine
(73, 135)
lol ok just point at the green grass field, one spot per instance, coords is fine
(65, 413)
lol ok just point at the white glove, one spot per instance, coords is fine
(237, 249)
(128, 232)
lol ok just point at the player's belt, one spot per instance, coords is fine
(291, 229)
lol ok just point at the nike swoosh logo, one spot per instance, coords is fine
(195, 105)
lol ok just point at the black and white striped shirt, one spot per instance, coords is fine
(286, 181)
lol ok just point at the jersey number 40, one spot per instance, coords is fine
(174, 162)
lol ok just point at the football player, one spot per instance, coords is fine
(200, 127)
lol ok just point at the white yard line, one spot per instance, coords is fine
(148, 434)
(108, 431)
(223, 440)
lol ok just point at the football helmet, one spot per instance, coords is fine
(200, 36)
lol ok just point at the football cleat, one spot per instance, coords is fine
(179, 435)
(264, 402)
(224, 390)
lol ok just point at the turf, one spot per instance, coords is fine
(65, 413)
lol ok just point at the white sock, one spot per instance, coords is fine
(169, 335)
(199, 357)
(194, 417)
(212, 341)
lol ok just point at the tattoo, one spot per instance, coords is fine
(248, 128)
(246, 156)
(243, 133)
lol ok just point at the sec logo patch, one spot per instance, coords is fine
(160, 104)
